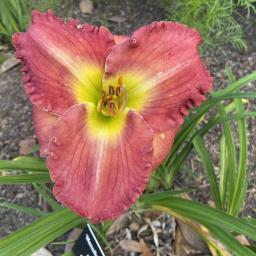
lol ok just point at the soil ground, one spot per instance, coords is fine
(122, 17)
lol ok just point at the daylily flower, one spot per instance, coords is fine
(106, 108)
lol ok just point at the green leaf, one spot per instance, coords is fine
(178, 159)
(236, 85)
(38, 234)
(25, 178)
(208, 166)
(250, 220)
(231, 155)
(24, 209)
(161, 195)
(221, 120)
(42, 190)
(177, 162)
(238, 197)
(103, 236)
(223, 170)
(230, 242)
(204, 214)
(24, 163)
(192, 121)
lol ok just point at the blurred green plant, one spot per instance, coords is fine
(218, 21)
(15, 15)
(218, 226)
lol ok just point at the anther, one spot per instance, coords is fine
(118, 91)
(120, 81)
(112, 105)
(111, 90)
(103, 93)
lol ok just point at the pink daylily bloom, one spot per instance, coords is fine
(106, 108)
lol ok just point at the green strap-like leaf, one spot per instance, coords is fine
(223, 170)
(236, 85)
(205, 215)
(38, 234)
(24, 163)
(146, 198)
(208, 166)
(231, 154)
(230, 242)
(24, 209)
(192, 120)
(42, 190)
(25, 178)
(240, 187)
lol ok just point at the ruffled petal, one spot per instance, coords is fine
(99, 168)
(162, 72)
(43, 123)
(162, 145)
(64, 62)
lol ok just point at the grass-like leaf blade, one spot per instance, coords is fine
(208, 166)
(205, 215)
(26, 178)
(38, 234)
(24, 209)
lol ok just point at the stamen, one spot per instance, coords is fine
(111, 90)
(118, 101)
(124, 104)
(101, 103)
(120, 81)
(112, 108)
(118, 91)
(113, 100)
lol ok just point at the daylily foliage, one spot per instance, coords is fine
(106, 108)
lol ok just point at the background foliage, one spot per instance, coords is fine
(15, 15)
(218, 21)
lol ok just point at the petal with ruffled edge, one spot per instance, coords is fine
(64, 62)
(99, 165)
(162, 72)
(43, 123)
(162, 144)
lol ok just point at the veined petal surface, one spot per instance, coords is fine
(64, 62)
(43, 123)
(162, 145)
(99, 168)
(162, 72)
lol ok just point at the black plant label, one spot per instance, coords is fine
(87, 244)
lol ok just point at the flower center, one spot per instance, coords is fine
(113, 99)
